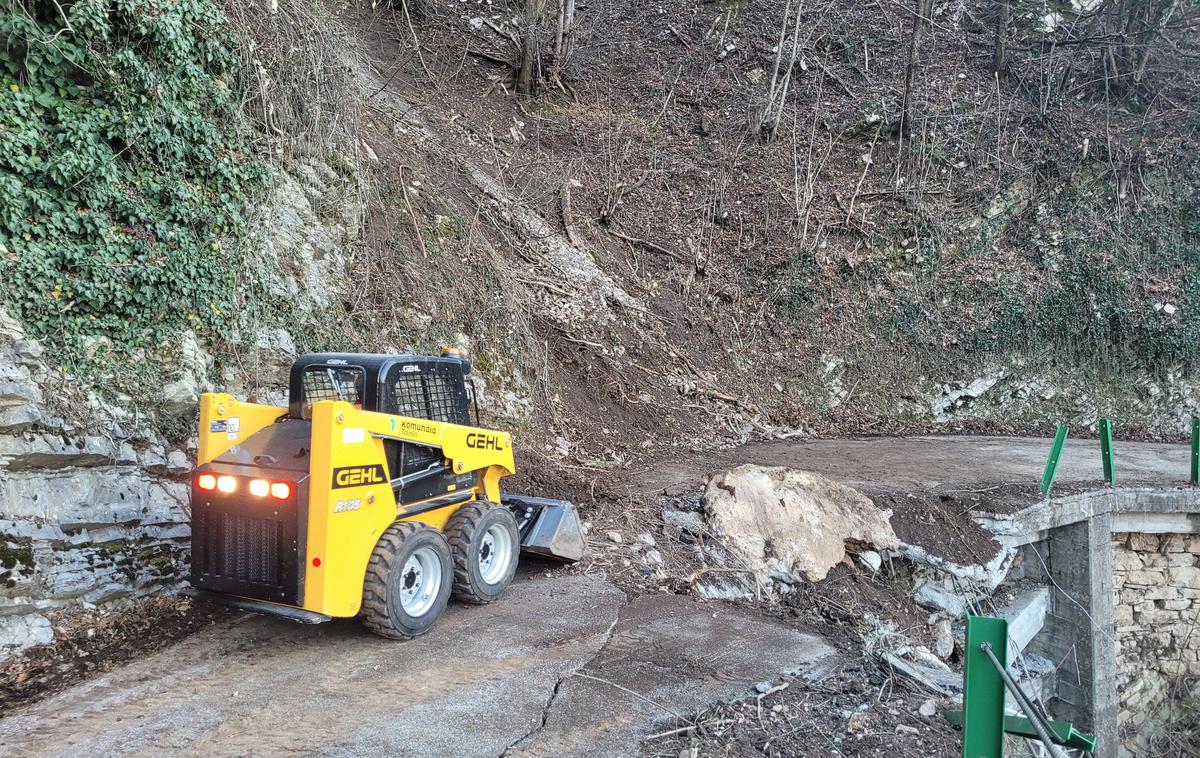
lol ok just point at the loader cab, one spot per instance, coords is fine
(435, 388)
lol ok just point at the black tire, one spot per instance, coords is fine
(419, 549)
(468, 533)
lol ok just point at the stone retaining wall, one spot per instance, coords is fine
(1156, 605)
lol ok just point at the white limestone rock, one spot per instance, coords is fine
(792, 524)
(20, 632)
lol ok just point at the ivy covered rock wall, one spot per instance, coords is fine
(124, 169)
(148, 252)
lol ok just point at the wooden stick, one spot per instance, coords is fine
(564, 199)
(645, 244)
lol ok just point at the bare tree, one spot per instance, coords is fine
(545, 45)
(1000, 54)
(789, 49)
(565, 39)
(923, 9)
(1134, 28)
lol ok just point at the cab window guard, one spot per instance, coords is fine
(331, 383)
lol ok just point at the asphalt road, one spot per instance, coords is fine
(934, 461)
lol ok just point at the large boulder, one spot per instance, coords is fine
(792, 524)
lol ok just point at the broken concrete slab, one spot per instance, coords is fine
(1026, 615)
(987, 575)
(669, 656)
(934, 597)
(792, 524)
(938, 680)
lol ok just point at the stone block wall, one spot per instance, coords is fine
(1156, 605)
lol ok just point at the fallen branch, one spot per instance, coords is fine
(631, 692)
(645, 244)
(770, 691)
(678, 35)
(503, 32)
(404, 190)
(671, 732)
(836, 79)
(489, 58)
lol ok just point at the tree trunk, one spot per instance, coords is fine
(1000, 56)
(545, 35)
(565, 36)
(923, 9)
(777, 95)
(525, 70)
(529, 33)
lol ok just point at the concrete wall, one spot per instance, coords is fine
(1156, 605)
(1124, 567)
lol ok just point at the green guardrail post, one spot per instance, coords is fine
(1052, 462)
(1107, 454)
(1064, 731)
(985, 679)
(983, 689)
(1195, 479)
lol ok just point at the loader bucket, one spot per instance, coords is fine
(549, 528)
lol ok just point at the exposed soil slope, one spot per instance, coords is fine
(831, 276)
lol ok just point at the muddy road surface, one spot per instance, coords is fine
(563, 665)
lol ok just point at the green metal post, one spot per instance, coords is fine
(1195, 451)
(983, 689)
(1106, 451)
(1052, 462)
(985, 677)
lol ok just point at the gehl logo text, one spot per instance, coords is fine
(358, 476)
(485, 441)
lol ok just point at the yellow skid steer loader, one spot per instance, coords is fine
(372, 494)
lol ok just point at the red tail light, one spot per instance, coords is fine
(281, 490)
(206, 482)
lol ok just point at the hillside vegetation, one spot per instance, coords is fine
(649, 222)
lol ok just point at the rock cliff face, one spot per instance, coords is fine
(93, 497)
(89, 512)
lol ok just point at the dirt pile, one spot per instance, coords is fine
(792, 524)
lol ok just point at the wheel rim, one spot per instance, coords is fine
(495, 554)
(420, 581)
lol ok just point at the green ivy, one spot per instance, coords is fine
(124, 172)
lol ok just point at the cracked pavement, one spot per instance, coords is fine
(562, 665)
